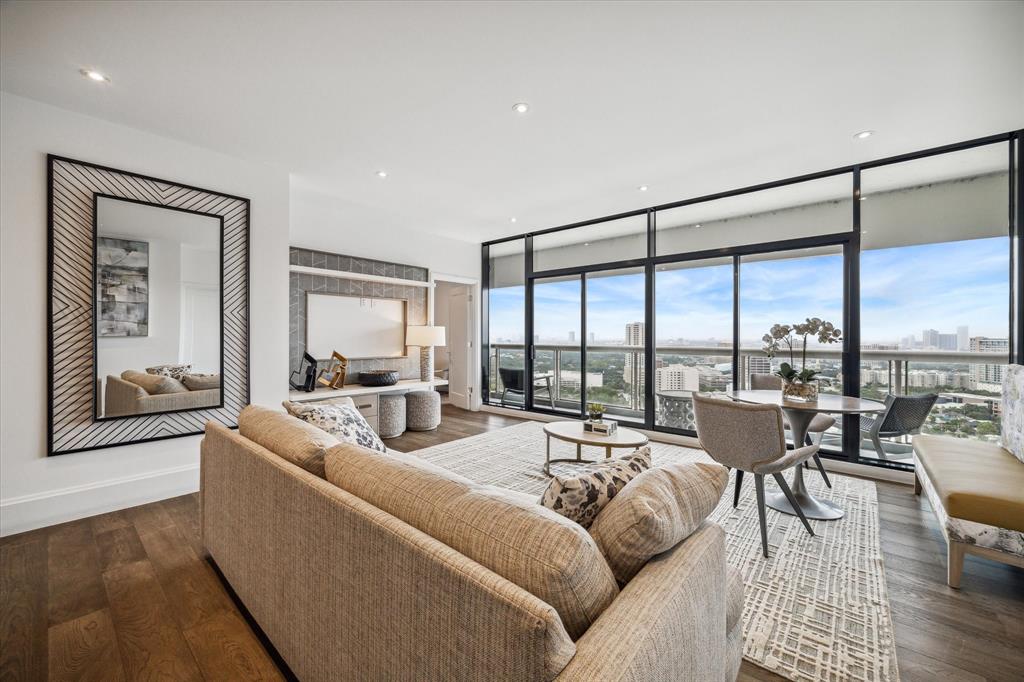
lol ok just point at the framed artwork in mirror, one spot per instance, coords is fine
(148, 307)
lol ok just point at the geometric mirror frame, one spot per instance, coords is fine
(73, 189)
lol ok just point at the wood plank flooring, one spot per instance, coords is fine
(128, 596)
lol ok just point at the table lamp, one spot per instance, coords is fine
(426, 337)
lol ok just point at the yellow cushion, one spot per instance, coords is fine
(976, 481)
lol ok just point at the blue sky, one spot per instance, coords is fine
(903, 290)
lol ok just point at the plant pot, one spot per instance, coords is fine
(596, 416)
(800, 392)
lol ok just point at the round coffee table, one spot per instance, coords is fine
(572, 432)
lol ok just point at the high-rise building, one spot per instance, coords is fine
(948, 341)
(757, 364)
(930, 338)
(963, 339)
(634, 360)
(592, 338)
(907, 342)
(989, 373)
(572, 337)
(677, 378)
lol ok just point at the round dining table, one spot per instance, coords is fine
(799, 415)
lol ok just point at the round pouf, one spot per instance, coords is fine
(391, 415)
(422, 410)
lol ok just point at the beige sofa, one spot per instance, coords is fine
(346, 590)
(123, 398)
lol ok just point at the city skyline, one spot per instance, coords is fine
(904, 290)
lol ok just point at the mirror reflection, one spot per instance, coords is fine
(157, 307)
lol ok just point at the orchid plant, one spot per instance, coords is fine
(782, 336)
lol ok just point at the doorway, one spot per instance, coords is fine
(456, 361)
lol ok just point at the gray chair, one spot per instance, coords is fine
(819, 424)
(904, 415)
(750, 438)
(514, 381)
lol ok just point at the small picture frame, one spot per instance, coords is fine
(334, 376)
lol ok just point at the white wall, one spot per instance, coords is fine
(36, 490)
(323, 222)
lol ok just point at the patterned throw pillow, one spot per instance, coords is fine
(341, 421)
(174, 371)
(580, 497)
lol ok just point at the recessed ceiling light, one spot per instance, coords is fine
(586, 243)
(642, 188)
(511, 220)
(697, 225)
(864, 134)
(520, 107)
(382, 174)
(94, 75)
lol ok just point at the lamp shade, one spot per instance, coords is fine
(424, 336)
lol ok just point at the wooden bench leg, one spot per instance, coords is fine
(955, 565)
(917, 484)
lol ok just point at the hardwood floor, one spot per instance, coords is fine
(127, 596)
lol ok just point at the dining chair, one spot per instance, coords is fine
(514, 382)
(819, 424)
(750, 438)
(904, 416)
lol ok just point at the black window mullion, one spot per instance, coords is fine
(650, 351)
(737, 379)
(528, 345)
(583, 344)
(485, 327)
(851, 325)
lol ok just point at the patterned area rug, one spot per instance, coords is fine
(817, 610)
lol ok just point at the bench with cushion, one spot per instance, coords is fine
(976, 489)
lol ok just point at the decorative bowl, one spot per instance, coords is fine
(379, 377)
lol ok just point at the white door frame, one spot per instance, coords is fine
(474, 325)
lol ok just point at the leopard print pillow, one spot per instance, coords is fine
(178, 372)
(341, 421)
(581, 497)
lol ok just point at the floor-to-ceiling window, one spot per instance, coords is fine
(615, 343)
(505, 320)
(935, 289)
(909, 256)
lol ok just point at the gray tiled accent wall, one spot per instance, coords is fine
(299, 284)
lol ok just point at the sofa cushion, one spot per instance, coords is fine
(1012, 416)
(342, 421)
(154, 384)
(581, 496)
(975, 481)
(201, 382)
(544, 553)
(657, 510)
(292, 439)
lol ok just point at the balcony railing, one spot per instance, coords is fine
(628, 402)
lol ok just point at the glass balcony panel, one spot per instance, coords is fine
(802, 209)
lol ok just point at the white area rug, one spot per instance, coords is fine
(818, 609)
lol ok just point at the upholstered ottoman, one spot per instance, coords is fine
(391, 415)
(422, 410)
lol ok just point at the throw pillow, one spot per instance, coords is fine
(581, 497)
(344, 422)
(174, 371)
(154, 384)
(201, 382)
(658, 509)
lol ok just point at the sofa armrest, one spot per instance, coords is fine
(122, 397)
(668, 623)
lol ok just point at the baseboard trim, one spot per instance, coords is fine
(38, 510)
(850, 468)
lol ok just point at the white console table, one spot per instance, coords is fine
(365, 397)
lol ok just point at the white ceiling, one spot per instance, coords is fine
(688, 98)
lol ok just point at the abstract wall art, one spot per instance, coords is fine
(122, 286)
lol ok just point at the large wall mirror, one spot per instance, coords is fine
(149, 307)
(158, 297)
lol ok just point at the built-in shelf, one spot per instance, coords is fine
(342, 274)
(325, 393)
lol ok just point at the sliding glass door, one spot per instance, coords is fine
(615, 311)
(558, 373)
